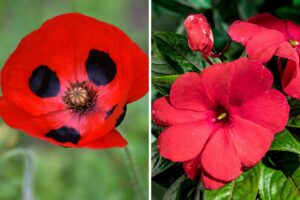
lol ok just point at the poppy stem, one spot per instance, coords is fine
(134, 175)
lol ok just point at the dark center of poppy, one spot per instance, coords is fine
(294, 43)
(80, 97)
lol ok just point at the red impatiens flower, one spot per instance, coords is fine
(69, 82)
(221, 121)
(264, 36)
(199, 33)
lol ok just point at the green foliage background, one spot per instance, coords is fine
(72, 174)
(277, 176)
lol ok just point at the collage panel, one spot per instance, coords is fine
(74, 103)
(225, 100)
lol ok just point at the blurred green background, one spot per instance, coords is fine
(72, 174)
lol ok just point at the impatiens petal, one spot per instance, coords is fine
(250, 79)
(291, 80)
(183, 142)
(285, 50)
(268, 41)
(269, 21)
(164, 114)
(293, 30)
(230, 89)
(112, 139)
(270, 110)
(192, 167)
(251, 140)
(211, 183)
(219, 158)
(187, 92)
(241, 31)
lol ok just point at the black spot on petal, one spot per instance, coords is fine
(101, 69)
(44, 82)
(122, 116)
(64, 134)
(110, 112)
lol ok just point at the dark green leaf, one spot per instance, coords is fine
(177, 7)
(285, 141)
(282, 182)
(182, 188)
(201, 4)
(296, 2)
(244, 187)
(289, 12)
(164, 172)
(174, 49)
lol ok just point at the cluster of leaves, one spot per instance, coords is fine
(277, 175)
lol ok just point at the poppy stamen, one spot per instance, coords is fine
(80, 97)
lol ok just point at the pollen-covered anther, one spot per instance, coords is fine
(80, 97)
(294, 43)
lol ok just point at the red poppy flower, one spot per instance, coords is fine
(69, 81)
(199, 33)
(264, 36)
(220, 124)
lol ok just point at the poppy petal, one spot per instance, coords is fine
(251, 140)
(112, 139)
(139, 63)
(219, 157)
(192, 167)
(164, 114)
(183, 142)
(187, 93)
(270, 110)
(17, 118)
(211, 183)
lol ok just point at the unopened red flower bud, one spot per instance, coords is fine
(199, 33)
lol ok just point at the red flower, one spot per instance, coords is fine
(264, 36)
(221, 124)
(69, 82)
(199, 33)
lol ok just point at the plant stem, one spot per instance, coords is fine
(27, 193)
(134, 175)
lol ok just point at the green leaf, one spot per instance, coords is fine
(282, 182)
(178, 7)
(296, 2)
(285, 141)
(174, 49)
(244, 187)
(201, 4)
(289, 12)
(182, 188)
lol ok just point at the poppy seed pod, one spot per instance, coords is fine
(199, 33)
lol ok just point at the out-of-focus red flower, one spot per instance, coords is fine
(218, 123)
(199, 33)
(69, 82)
(264, 36)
